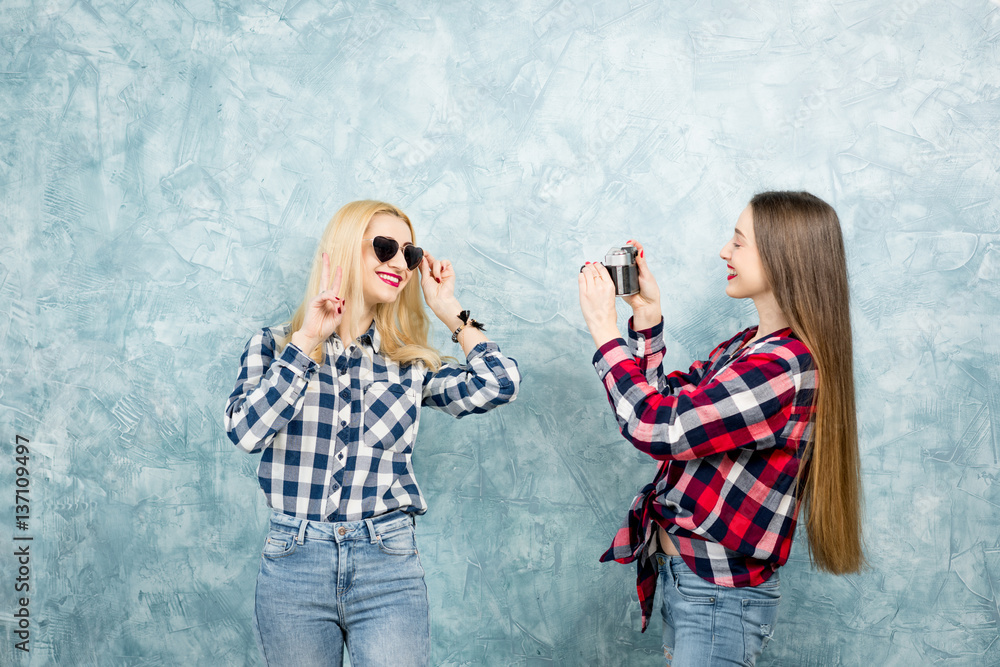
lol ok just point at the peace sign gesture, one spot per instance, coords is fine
(324, 312)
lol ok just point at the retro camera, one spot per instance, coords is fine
(620, 263)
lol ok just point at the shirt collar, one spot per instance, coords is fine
(372, 338)
(747, 334)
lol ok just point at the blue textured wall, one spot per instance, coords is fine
(166, 167)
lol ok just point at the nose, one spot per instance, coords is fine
(725, 253)
(397, 261)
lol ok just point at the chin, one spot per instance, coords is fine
(392, 295)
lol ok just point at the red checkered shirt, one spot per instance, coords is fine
(730, 434)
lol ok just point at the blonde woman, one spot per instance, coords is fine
(765, 425)
(333, 400)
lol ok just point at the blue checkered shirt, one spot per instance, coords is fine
(337, 437)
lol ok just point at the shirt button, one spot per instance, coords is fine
(342, 531)
(343, 422)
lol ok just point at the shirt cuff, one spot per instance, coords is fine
(654, 336)
(297, 361)
(482, 349)
(609, 355)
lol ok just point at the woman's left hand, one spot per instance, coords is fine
(597, 301)
(437, 279)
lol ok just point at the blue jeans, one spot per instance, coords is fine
(707, 625)
(323, 584)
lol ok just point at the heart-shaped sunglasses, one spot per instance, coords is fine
(386, 248)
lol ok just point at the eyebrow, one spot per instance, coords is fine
(740, 233)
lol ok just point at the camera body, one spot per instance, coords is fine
(620, 263)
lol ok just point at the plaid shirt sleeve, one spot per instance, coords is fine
(744, 405)
(268, 392)
(487, 380)
(646, 345)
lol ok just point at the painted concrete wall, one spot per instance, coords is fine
(166, 167)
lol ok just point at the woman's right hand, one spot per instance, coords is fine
(324, 312)
(646, 304)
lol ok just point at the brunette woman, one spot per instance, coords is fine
(763, 427)
(333, 400)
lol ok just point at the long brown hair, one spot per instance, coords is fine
(401, 324)
(802, 251)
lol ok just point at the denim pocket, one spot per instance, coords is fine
(693, 588)
(398, 541)
(759, 617)
(390, 416)
(278, 545)
(769, 587)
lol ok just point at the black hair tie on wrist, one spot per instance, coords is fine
(466, 322)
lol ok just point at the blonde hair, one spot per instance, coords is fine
(402, 324)
(802, 251)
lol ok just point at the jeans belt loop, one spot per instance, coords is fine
(300, 539)
(371, 530)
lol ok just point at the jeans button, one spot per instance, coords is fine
(342, 530)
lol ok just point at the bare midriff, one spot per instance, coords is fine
(666, 546)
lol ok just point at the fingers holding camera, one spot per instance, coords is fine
(597, 302)
(646, 304)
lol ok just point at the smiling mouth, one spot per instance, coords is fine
(390, 279)
(732, 272)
